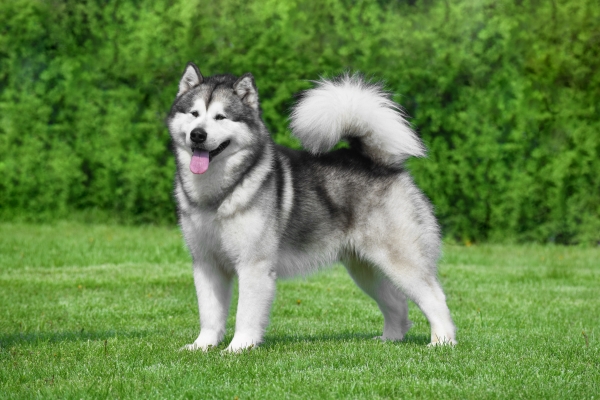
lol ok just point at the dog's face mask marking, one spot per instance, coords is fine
(212, 114)
(207, 134)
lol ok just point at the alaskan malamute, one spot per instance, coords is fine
(251, 208)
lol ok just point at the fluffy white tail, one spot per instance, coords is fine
(350, 107)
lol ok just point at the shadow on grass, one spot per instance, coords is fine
(10, 339)
(272, 341)
(21, 338)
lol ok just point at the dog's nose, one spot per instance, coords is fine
(198, 135)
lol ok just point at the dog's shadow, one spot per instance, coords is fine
(278, 340)
(271, 341)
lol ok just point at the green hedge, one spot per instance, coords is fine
(504, 93)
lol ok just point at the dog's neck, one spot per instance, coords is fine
(228, 181)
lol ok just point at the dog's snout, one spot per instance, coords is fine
(198, 135)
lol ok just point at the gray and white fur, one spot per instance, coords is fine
(261, 211)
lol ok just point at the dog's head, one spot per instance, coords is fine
(214, 117)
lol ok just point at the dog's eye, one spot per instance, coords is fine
(219, 117)
(195, 114)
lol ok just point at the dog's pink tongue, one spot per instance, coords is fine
(199, 163)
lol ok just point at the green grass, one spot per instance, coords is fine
(100, 311)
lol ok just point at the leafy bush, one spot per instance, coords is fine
(505, 94)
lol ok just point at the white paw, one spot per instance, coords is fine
(195, 346)
(204, 342)
(442, 341)
(241, 343)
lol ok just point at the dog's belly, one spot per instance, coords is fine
(292, 262)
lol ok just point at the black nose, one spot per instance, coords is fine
(198, 135)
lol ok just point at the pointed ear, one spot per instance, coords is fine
(191, 78)
(246, 90)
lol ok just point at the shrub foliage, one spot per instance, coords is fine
(504, 93)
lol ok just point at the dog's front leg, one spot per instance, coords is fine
(257, 290)
(213, 288)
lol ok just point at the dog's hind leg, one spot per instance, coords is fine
(391, 301)
(421, 285)
(427, 293)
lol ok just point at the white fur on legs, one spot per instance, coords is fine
(427, 294)
(393, 305)
(256, 293)
(213, 288)
(417, 279)
(391, 301)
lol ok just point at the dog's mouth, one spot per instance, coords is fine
(218, 150)
(201, 157)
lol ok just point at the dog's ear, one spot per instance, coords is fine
(246, 90)
(191, 78)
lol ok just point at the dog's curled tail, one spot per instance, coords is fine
(348, 107)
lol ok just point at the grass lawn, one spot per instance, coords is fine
(100, 311)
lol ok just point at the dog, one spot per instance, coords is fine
(252, 209)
